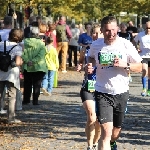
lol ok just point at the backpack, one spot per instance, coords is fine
(61, 33)
(5, 58)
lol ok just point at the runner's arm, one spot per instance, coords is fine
(136, 67)
(135, 44)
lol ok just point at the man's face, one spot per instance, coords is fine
(110, 32)
(148, 27)
(130, 24)
(96, 30)
(88, 28)
(123, 27)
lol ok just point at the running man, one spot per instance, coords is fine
(143, 39)
(114, 57)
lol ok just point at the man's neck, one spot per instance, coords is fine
(109, 43)
(147, 33)
(88, 33)
(123, 31)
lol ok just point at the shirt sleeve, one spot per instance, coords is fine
(132, 53)
(80, 38)
(91, 51)
(18, 51)
(69, 34)
(131, 37)
(136, 39)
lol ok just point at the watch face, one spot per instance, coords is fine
(128, 66)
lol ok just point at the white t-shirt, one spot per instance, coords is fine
(4, 34)
(15, 51)
(109, 79)
(144, 41)
(75, 36)
(12, 75)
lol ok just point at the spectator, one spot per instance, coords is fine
(34, 66)
(63, 35)
(140, 29)
(7, 28)
(1, 25)
(52, 64)
(42, 29)
(124, 33)
(81, 28)
(32, 21)
(73, 44)
(52, 32)
(10, 79)
(132, 29)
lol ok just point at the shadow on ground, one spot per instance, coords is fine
(136, 128)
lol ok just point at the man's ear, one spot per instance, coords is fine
(101, 29)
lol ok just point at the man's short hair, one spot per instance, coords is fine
(32, 19)
(7, 20)
(108, 20)
(123, 24)
(73, 26)
(34, 30)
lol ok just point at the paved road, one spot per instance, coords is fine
(58, 123)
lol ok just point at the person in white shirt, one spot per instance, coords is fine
(73, 44)
(113, 57)
(10, 79)
(143, 39)
(4, 33)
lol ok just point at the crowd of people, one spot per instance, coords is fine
(108, 53)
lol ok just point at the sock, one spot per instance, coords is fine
(95, 145)
(144, 82)
(112, 143)
(148, 84)
(89, 147)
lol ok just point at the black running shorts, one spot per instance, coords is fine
(111, 108)
(146, 61)
(86, 95)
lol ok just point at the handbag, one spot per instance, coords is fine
(5, 58)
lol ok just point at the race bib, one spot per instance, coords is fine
(107, 58)
(91, 84)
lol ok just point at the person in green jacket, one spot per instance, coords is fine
(34, 66)
(52, 64)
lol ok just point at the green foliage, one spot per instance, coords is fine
(79, 9)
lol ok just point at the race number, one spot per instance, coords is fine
(91, 84)
(107, 58)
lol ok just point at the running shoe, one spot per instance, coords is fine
(89, 148)
(13, 121)
(148, 92)
(45, 92)
(113, 145)
(144, 92)
(95, 147)
(64, 71)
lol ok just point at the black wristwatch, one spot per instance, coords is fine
(128, 66)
